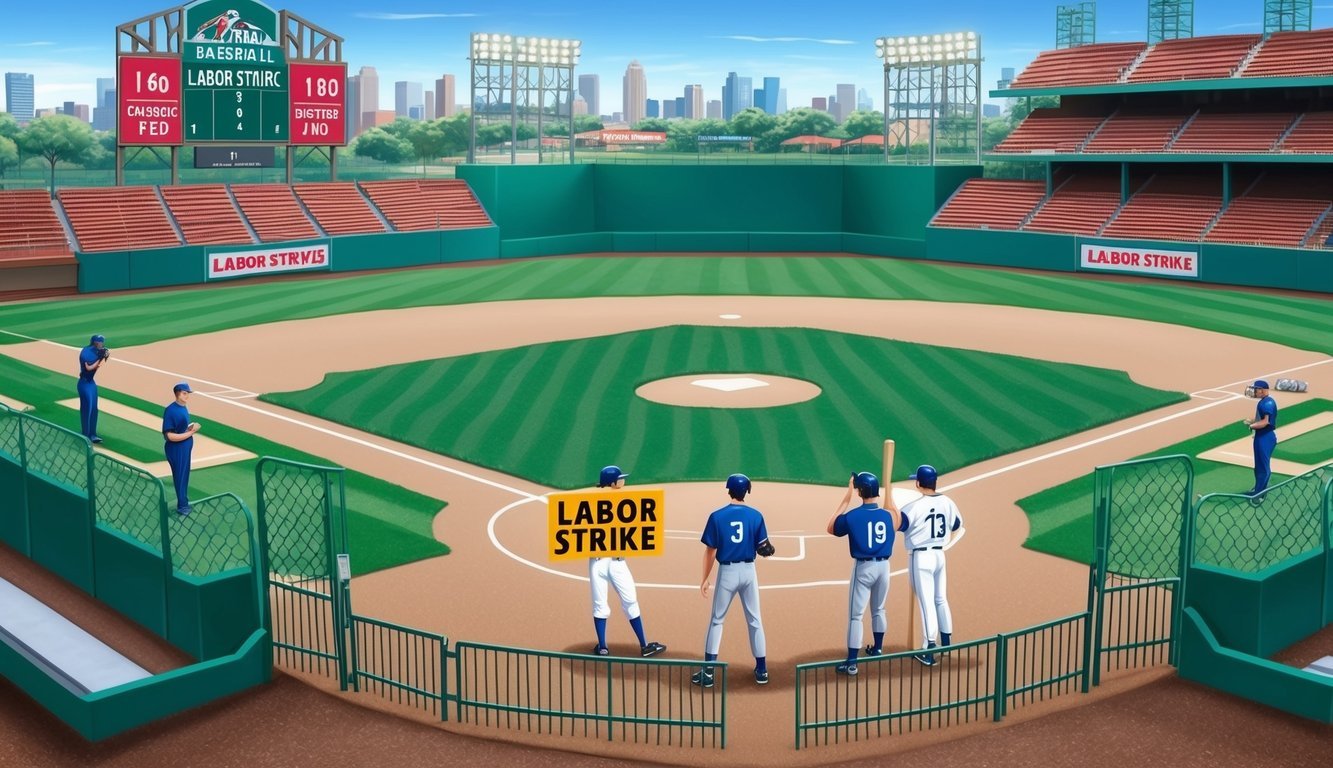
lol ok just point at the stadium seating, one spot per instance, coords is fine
(1267, 221)
(1050, 130)
(206, 214)
(990, 204)
(1137, 133)
(1193, 58)
(339, 208)
(1080, 206)
(1168, 208)
(31, 229)
(1084, 65)
(1293, 54)
(427, 204)
(1313, 134)
(1322, 234)
(1233, 132)
(273, 212)
(118, 218)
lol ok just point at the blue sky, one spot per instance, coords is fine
(68, 44)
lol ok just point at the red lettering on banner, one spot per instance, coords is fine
(260, 262)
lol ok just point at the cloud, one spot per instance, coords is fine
(414, 16)
(754, 39)
(33, 44)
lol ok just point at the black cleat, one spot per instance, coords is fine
(651, 649)
(704, 678)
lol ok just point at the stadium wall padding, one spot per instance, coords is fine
(1261, 613)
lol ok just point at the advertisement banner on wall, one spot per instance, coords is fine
(1136, 259)
(225, 264)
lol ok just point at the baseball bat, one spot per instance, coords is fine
(911, 597)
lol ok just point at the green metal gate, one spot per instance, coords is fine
(1141, 538)
(303, 524)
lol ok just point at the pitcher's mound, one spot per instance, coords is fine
(728, 390)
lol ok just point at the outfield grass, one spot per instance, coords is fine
(1314, 447)
(388, 525)
(127, 319)
(1060, 517)
(554, 413)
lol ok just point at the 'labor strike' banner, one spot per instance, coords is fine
(1146, 261)
(604, 523)
(224, 264)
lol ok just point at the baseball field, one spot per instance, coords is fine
(457, 397)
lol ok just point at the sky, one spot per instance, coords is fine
(810, 46)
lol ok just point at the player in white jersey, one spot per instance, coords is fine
(928, 524)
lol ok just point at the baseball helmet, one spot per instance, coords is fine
(609, 476)
(97, 337)
(738, 485)
(926, 476)
(866, 484)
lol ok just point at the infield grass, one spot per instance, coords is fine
(555, 413)
(1314, 447)
(1061, 517)
(136, 318)
(388, 525)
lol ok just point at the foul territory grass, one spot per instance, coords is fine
(388, 525)
(554, 413)
(128, 319)
(1314, 447)
(1060, 517)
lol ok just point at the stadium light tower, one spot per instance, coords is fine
(1287, 16)
(1075, 25)
(521, 78)
(938, 76)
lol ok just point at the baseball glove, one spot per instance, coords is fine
(765, 548)
(103, 353)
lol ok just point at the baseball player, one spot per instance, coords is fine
(614, 571)
(91, 359)
(869, 530)
(1263, 425)
(927, 524)
(733, 536)
(178, 432)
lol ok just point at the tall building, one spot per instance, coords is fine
(864, 102)
(408, 97)
(680, 106)
(369, 97)
(19, 95)
(82, 112)
(104, 118)
(669, 109)
(445, 103)
(654, 108)
(846, 100)
(353, 96)
(590, 88)
(105, 85)
(635, 92)
(820, 103)
(782, 100)
(428, 106)
(737, 94)
(377, 118)
(715, 109)
(772, 92)
(759, 99)
(694, 102)
(67, 108)
(580, 106)
(1006, 78)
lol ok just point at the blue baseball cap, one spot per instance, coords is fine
(610, 475)
(925, 475)
(184, 386)
(1260, 384)
(97, 337)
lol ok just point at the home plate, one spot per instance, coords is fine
(730, 385)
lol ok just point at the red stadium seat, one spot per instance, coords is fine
(339, 208)
(206, 214)
(118, 218)
(30, 229)
(273, 212)
(414, 204)
(990, 204)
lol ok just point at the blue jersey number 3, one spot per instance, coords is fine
(739, 536)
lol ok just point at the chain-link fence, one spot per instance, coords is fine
(11, 445)
(1141, 510)
(56, 453)
(129, 500)
(214, 538)
(1249, 534)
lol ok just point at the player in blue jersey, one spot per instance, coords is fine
(734, 535)
(178, 431)
(91, 359)
(1263, 425)
(869, 529)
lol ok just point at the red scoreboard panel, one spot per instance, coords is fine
(148, 95)
(319, 105)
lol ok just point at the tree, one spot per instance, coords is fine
(658, 124)
(862, 123)
(379, 144)
(9, 127)
(456, 131)
(57, 138)
(797, 122)
(427, 140)
(585, 123)
(9, 154)
(751, 122)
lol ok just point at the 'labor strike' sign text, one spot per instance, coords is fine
(223, 264)
(605, 523)
(1148, 261)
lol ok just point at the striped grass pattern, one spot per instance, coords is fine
(574, 404)
(1302, 322)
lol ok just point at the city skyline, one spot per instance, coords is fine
(66, 46)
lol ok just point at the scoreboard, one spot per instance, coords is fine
(231, 84)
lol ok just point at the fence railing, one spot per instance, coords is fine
(400, 664)
(973, 681)
(1249, 534)
(645, 701)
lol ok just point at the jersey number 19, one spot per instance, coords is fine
(877, 532)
